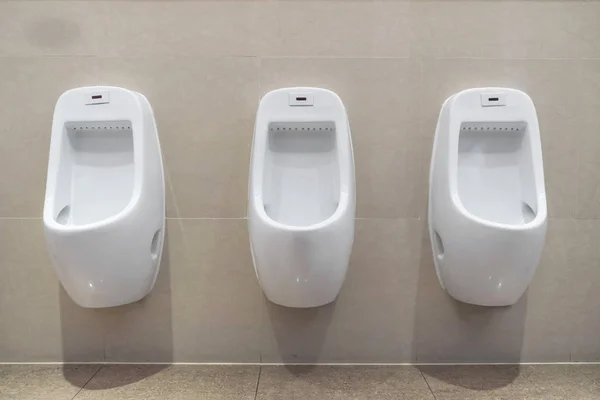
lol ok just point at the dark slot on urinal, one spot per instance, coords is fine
(97, 97)
(300, 98)
(493, 99)
(154, 244)
(63, 215)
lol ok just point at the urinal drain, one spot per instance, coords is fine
(519, 126)
(311, 126)
(98, 126)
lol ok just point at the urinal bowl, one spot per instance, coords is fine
(301, 197)
(487, 202)
(301, 268)
(104, 212)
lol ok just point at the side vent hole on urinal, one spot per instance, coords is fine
(528, 213)
(154, 245)
(438, 246)
(63, 215)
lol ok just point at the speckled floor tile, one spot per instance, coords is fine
(527, 382)
(178, 382)
(33, 382)
(341, 382)
(592, 371)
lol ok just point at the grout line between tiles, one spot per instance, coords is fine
(265, 57)
(550, 218)
(205, 218)
(427, 383)
(258, 382)
(88, 381)
(408, 364)
(588, 377)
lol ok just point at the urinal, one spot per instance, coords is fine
(104, 211)
(301, 204)
(487, 199)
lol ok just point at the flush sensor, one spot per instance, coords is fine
(301, 99)
(493, 99)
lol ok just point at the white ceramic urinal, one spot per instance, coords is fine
(104, 212)
(301, 196)
(487, 200)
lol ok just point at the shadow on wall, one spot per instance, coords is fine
(299, 333)
(449, 331)
(138, 332)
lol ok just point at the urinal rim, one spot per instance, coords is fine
(539, 220)
(338, 214)
(542, 212)
(51, 223)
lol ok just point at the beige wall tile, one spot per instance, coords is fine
(552, 307)
(223, 28)
(204, 109)
(584, 338)
(381, 96)
(30, 89)
(529, 331)
(371, 321)
(216, 298)
(143, 331)
(206, 304)
(588, 171)
(555, 87)
(392, 63)
(502, 29)
(349, 28)
(49, 27)
(39, 321)
(446, 330)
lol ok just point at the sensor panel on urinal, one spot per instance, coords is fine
(301, 196)
(487, 199)
(104, 211)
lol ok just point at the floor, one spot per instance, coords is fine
(149, 382)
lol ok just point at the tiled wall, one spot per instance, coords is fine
(204, 66)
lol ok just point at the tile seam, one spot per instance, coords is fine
(88, 381)
(427, 383)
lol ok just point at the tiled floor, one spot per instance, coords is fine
(149, 382)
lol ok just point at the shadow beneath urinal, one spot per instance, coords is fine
(140, 332)
(473, 377)
(449, 331)
(299, 333)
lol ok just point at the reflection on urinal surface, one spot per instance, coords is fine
(104, 209)
(301, 196)
(487, 199)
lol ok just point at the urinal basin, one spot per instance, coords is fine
(302, 266)
(95, 174)
(109, 264)
(301, 197)
(302, 185)
(104, 210)
(487, 201)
